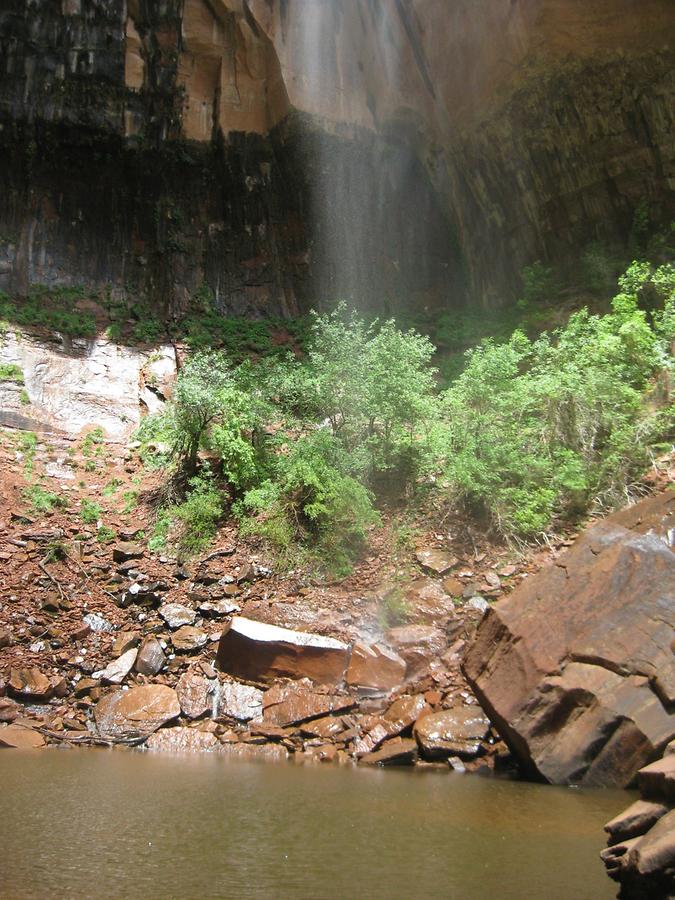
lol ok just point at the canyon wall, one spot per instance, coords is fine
(289, 152)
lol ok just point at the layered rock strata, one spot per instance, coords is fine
(285, 152)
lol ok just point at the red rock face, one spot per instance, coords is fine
(575, 668)
(261, 652)
(375, 668)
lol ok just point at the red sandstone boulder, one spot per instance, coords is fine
(261, 652)
(136, 713)
(30, 684)
(19, 737)
(452, 732)
(575, 667)
(289, 704)
(396, 752)
(375, 668)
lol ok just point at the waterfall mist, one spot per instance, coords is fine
(379, 238)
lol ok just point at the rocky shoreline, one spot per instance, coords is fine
(110, 644)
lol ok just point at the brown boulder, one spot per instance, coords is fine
(136, 713)
(256, 752)
(404, 712)
(18, 737)
(9, 710)
(418, 645)
(428, 603)
(397, 752)
(261, 652)
(452, 732)
(375, 668)
(30, 684)
(292, 703)
(634, 821)
(575, 667)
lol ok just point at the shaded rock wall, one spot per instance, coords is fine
(292, 151)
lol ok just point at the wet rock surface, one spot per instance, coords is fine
(640, 854)
(576, 668)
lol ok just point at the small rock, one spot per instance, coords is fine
(116, 671)
(478, 603)
(125, 640)
(5, 638)
(175, 615)
(127, 550)
(151, 658)
(189, 638)
(217, 608)
(436, 561)
(98, 623)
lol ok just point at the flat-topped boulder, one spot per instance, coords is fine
(576, 668)
(260, 652)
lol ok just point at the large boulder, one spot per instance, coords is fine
(261, 652)
(575, 668)
(451, 732)
(136, 713)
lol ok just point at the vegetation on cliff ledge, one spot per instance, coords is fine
(533, 432)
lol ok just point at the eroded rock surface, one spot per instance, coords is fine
(575, 667)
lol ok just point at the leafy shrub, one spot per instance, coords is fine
(538, 283)
(111, 487)
(90, 512)
(92, 440)
(542, 429)
(190, 526)
(314, 502)
(148, 331)
(41, 500)
(11, 372)
(105, 534)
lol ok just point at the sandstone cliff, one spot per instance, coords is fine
(288, 151)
